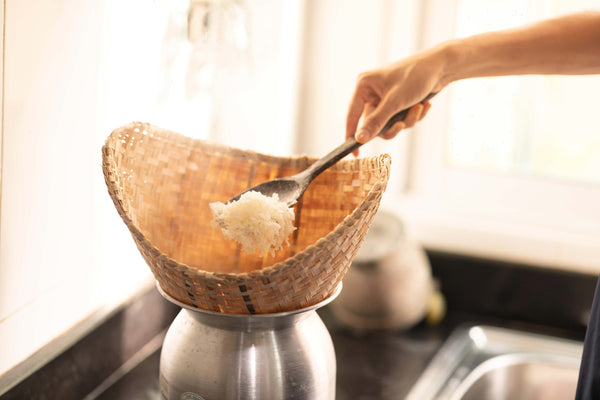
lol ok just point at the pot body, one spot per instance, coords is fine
(391, 293)
(389, 283)
(217, 356)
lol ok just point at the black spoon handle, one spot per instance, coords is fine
(351, 144)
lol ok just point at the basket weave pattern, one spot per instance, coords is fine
(161, 183)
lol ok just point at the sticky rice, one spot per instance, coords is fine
(257, 222)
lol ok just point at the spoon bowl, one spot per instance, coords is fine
(288, 189)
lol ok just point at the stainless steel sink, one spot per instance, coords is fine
(489, 363)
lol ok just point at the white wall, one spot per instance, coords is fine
(343, 39)
(73, 72)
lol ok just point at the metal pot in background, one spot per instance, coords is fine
(389, 285)
(217, 356)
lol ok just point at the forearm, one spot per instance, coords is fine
(566, 45)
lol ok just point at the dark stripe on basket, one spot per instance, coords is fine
(188, 289)
(247, 299)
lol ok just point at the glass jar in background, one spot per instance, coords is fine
(205, 56)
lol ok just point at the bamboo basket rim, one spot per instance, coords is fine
(378, 168)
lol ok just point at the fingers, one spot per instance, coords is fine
(374, 118)
(354, 113)
(367, 110)
(427, 107)
(365, 94)
(415, 114)
(371, 108)
(412, 117)
(393, 131)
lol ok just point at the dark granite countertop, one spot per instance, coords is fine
(380, 365)
(374, 365)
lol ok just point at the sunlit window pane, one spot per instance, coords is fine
(544, 126)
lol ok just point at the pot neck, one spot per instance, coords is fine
(250, 322)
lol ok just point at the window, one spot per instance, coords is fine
(490, 172)
(541, 126)
(501, 169)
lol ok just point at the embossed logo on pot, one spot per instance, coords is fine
(190, 396)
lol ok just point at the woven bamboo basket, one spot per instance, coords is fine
(162, 182)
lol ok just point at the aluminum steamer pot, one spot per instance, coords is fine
(217, 356)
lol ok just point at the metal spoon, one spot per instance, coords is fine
(291, 188)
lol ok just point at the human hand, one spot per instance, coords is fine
(381, 93)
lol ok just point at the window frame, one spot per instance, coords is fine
(527, 219)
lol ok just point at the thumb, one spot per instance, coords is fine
(374, 119)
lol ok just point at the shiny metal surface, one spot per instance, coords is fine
(520, 376)
(488, 363)
(216, 356)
